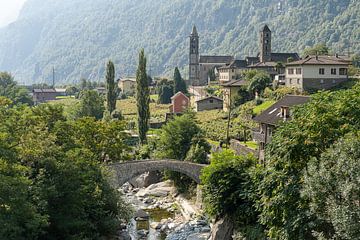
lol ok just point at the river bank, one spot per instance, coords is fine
(162, 214)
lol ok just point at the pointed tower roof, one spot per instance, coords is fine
(266, 28)
(194, 31)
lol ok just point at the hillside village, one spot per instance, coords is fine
(230, 148)
(219, 83)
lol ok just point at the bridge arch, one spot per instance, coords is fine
(123, 172)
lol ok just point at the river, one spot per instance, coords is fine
(161, 216)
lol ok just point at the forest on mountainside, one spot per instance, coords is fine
(78, 37)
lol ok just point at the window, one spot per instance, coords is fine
(322, 81)
(232, 70)
(321, 71)
(290, 80)
(290, 71)
(211, 101)
(298, 81)
(298, 70)
(333, 71)
(233, 77)
(343, 71)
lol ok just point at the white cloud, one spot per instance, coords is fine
(9, 10)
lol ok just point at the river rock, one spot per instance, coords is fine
(156, 225)
(162, 189)
(198, 236)
(222, 229)
(123, 235)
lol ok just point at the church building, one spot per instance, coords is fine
(229, 68)
(199, 66)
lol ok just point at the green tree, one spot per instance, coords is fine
(111, 87)
(333, 186)
(315, 127)
(52, 186)
(228, 191)
(20, 219)
(176, 139)
(91, 105)
(211, 75)
(10, 89)
(71, 90)
(165, 90)
(179, 83)
(318, 49)
(258, 83)
(142, 98)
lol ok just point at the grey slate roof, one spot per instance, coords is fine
(266, 28)
(213, 97)
(283, 57)
(38, 90)
(320, 60)
(194, 31)
(272, 114)
(216, 59)
(235, 64)
(234, 83)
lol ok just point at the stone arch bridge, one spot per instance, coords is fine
(123, 172)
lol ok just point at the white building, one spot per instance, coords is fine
(317, 72)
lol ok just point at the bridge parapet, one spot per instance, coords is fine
(123, 172)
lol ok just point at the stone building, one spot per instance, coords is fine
(270, 62)
(44, 95)
(199, 66)
(179, 103)
(317, 72)
(231, 92)
(232, 71)
(127, 86)
(270, 118)
(208, 103)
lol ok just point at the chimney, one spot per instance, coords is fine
(285, 112)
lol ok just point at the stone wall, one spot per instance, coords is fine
(123, 172)
(241, 149)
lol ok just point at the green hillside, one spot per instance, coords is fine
(79, 36)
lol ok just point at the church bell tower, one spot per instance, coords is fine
(265, 44)
(194, 67)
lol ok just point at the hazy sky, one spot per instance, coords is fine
(9, 10)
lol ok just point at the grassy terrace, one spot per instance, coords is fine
(129, 110)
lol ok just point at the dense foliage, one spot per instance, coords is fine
(316, 126)
(229, 191)
(177, 138)
(52, 184)
(10, 90)
(333, 186)
(165, 89)
(179, 83)
(44, 36)
(111, 87)
(91, 105)
(142, 98)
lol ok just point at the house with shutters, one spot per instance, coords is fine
(317, 72)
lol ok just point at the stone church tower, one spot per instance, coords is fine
(194, 65)
(265, 44)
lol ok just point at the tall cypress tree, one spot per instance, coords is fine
(111, 87)
(179, 83)
(142, 97)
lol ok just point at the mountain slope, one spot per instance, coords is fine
(77, 37)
